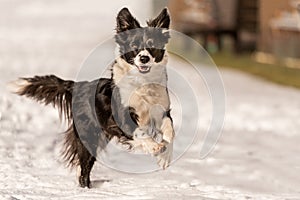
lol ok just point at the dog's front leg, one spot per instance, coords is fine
(164, 158)
(167, 129)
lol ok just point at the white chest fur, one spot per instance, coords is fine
(142, 91)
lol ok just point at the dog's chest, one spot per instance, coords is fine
(143, 91)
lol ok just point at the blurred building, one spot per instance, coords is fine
(270, 26)
(280, 33)
(213, 19)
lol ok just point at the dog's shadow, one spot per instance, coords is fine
(99, 183)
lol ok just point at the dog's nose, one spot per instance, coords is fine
(144, 59)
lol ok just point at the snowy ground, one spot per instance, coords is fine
(257, 156)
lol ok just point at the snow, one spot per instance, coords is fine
(257, 156)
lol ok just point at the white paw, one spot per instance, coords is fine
(147, 145)
(140, 133)
(164, 159)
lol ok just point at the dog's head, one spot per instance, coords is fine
(142, 47)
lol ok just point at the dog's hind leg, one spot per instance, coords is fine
(86, 162)
(78, 156)
(87, 152)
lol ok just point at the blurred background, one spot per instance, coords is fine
(258, 36)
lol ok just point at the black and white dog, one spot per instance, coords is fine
(132, 106)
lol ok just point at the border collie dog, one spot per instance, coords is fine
(133, 105)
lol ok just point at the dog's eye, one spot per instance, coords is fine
(150, 43)
(134, 46)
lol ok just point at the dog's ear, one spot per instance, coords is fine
(125, 21)
(161, 21)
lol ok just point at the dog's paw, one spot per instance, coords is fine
(141, 133)
(164, 158)
(147, 145)
(127, 146)
(158, 136)
(154, 148)
(125, 143)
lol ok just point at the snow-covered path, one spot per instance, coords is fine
(257, 156)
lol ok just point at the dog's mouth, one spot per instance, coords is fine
(144, 68)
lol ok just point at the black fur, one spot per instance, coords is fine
(50, 90)
(89, 128)
(125, 21)
(161, 21)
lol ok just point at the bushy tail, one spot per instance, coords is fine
(48, 90)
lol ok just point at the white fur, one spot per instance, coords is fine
(129, 79)
(147, 94)
(78, 173)
(17, 86)
(138, 62)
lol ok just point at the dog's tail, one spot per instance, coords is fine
(48, 90)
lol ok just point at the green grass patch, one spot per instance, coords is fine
(273, 72)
